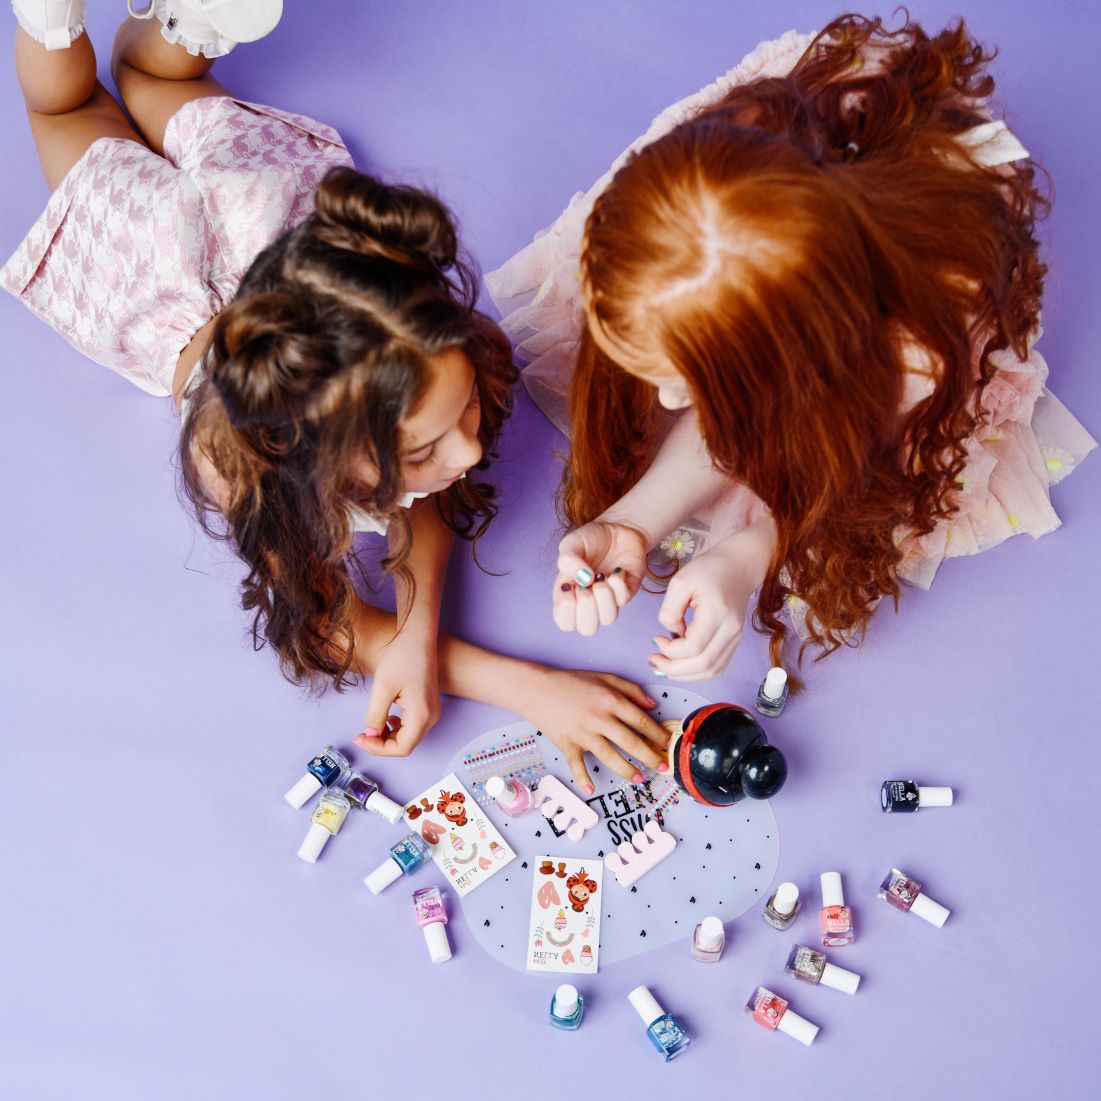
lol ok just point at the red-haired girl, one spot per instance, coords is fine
(318, 330)
(796, 323)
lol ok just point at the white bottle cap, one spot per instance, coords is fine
(385, 807)
(787, 895)
(798, 1028)
(932, 912)
(839, 978)
(316, 836)
(383, 875)
(775, 679)
(302, 791)
(934, 797)
(646, 1005)
(832, 895)
(711, 932)
(435, 936)
(565, 1000)
(496, 787)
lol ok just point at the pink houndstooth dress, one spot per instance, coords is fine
(134, 252)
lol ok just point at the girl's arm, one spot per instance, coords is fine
(407, 671)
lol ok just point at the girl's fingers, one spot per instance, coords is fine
(635, 693)
(588, 619)
(711, 662)
(564, 605)
(617, 582)
(639, 748)
(602, 750)
(678, 599)
(575, 759)
(606, 607)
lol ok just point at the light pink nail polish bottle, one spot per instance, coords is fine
(511, 796)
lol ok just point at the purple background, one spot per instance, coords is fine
(160, 939)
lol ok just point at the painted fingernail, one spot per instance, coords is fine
(584, 577)
(657, 641)
(599, 577)
(663, 767)
(637, 778)
(650, 702)
(618, 569)
(673, 634)
(659, 673)
(370, 732)
(588, 789)
(565, 586)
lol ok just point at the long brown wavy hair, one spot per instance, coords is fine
(311, 369)
(781, 250)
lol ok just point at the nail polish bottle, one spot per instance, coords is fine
(906, 796)
(771, 1011)
(432, 918)
(328, 817)
(327, 769)
(835, 918)
(904, 893)
(773, 693)
(665, 1034)
(780, 910)
(404, 859)
(809, 965)
(567, 1008)
(708, 940)
(511, 796)
(364, 794)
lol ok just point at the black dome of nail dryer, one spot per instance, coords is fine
(721, 756)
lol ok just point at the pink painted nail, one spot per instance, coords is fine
(650, 702)
(637, 778)
(663, 767)
(588, 789)
(371, 732)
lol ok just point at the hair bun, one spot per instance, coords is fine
(402, 223)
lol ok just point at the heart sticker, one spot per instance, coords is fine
(548, 896)
(484, 863)
(431, 831)
(568, 956)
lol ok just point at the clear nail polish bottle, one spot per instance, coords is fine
(708, 940)
(904, 893)
(365, 794)
(665, 1034)
(905, 796)
(328, 817)
(567, 1007)
(835, 918)
(511, 796)
(809, 965)
(328, 769)
(780, 910)
(773, 693)
(432, 918)
(771, 1011)
(404, 859)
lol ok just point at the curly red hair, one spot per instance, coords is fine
(780, 251)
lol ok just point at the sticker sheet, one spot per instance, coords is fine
(566, 898)
(464, 843)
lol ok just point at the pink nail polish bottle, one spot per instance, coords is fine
(835, 918)
(432, 918)
(905, 893)
(771, 1011)
(511, 796)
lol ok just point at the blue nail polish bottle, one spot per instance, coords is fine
(405, 857)
(330, 767)
(567, 1008)
(665, 1033)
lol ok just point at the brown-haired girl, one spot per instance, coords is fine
(318, 330)
(796, 323)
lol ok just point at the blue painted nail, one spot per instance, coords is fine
(659, 673)
(584, 577)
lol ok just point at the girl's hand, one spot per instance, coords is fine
(615, 551)
(598, 713)
(717, 585)
(407, 676)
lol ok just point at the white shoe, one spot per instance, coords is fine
(212, 27)
(54, 23)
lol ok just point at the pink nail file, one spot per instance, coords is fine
(646, 849)
(569, 814)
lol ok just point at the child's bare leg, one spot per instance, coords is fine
(155, 78)
(67, 107)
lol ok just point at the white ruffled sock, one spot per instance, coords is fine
(57, 24)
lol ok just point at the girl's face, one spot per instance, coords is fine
(673, 392)
(439, 438)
